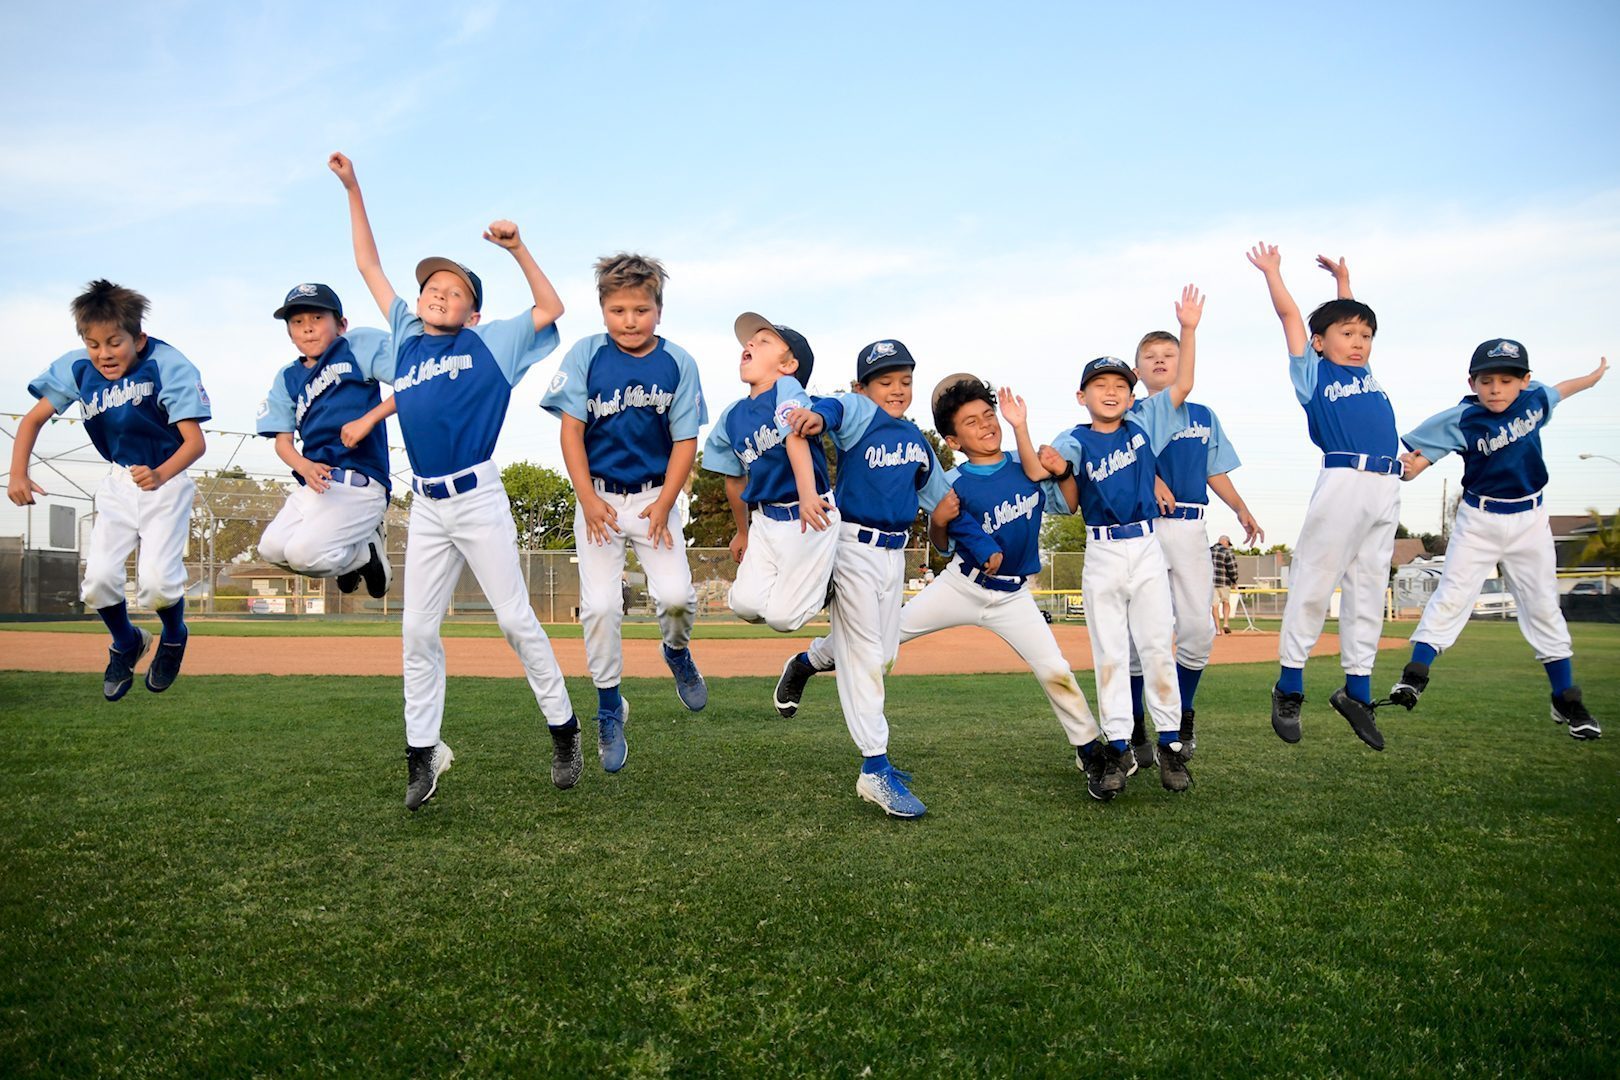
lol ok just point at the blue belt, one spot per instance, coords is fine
(1186, 512)
(878, 538)
(443, 489)
(781, 511)
(990, 581)
(345, 476)
(1120, 532)
(1502, 506)
(613, 487)
(1373, 463)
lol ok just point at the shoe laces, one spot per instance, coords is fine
(682, 663)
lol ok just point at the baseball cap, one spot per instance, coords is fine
(309, 296)
(1108, 365)
(1499, 354)
(942, 386)
(428, 267)
(750, 323)
(881, 356)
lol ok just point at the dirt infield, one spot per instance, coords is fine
(952, 652)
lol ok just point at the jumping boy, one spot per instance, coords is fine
(1502, 518)
(1124, 583)
(630, 406)
(143, 406)
(1349, 530)
(331, 526)
(776, 482)
(886, 468)
(453, 376)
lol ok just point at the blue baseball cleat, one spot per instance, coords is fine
(611, 745)
(689, 684)
(165, 666)
(888, 789)
(120, 673)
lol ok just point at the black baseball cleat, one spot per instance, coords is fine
(1360, 715)
(1285, 714)
(423, 764)
(1568, 708)
(1141, 745)
(790, 687)
(378, 572)
(348, 583)
(1414, 680)
(567, 760)
(1173, 772)
(1093, 769)
(1115, 768)
(1189, 741)
(166, 664)
(120, 673)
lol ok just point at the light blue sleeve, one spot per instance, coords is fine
(276, 414)
(1302, 369)
(936, 487)
(1160, 418)
(1222, 458)
(566, 394)
(182, 395)
(56, 383)
(718, 456)
(402, 326)
(1439, 435)
(858, 413)
(689, 412)
(1553, 396)
(374, 351)
(1069, 447)
(790, 395)
(516, 344)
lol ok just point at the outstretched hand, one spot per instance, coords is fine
(1599, 371)
(1190, 308)
(1340, 269)
(504, 234)
(1012, 407)
(1265, 258)
(340, 164)
(1251, 528)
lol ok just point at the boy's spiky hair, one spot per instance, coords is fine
(630, 271)
(1156, 335)
(955, 396)
(104, 302)
(1338, 311)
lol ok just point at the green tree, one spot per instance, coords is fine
(230, 512)
(1603, 546)
(542, 505)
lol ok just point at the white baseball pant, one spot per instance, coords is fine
(1126, 591)
(472, 529)
(327, 534)
(1348, 537)
(953, 600)
(1523, 544)
(868, 591)
(158, 521)
(601, 574)
(782, 580)
(1185, 543)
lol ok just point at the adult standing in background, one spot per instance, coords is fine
(1226, 578)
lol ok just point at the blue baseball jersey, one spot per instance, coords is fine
(452, 390)
(886, 469)
(1501, 452)
(1194, 454)
(1346, 410)
(749, 439)
(635, 408)
(315, 401)
(1001, 511)
(130, 419)
(1114, 469)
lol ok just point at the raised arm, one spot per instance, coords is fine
(1583, 382)
(1189, 309)
(366, 259)
(1265, 258)
(1341, 274)
(548, 306)
(1014, 412)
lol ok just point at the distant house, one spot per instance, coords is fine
(1407, 549)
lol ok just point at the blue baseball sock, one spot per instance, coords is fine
(1089, 750)
(174, 621)
(124, 635)
(1292, 680)
(607, 698)
(1137, 683)
(1119, 745)
(1168, 737)
(875, 763)
(1561, 674)
(1188, 678)
(1359, 687)
(569, 728)
(1424, 653)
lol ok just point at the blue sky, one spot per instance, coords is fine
(1009, 194)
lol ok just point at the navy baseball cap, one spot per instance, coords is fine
(881, 356)
(1499, 354)
(310, 296)
(428, 267)
(1108, 365)
(750, 323)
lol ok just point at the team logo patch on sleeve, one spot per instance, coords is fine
(558, 381)
(264, 408)
(785, 408)
(203, 394)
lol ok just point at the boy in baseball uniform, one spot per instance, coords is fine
(630, 406)
(1196, 461)
(1502, 518)
(990, 524)
(1124, 583)
(143, 406)
(331, 526)
(776, 482)
(886, 469)
(1349, 530)
(453, 376)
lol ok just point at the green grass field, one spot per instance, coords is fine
(222, 881)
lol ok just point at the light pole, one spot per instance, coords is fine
(1604, 457)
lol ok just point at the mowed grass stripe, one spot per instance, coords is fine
(222, 879)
